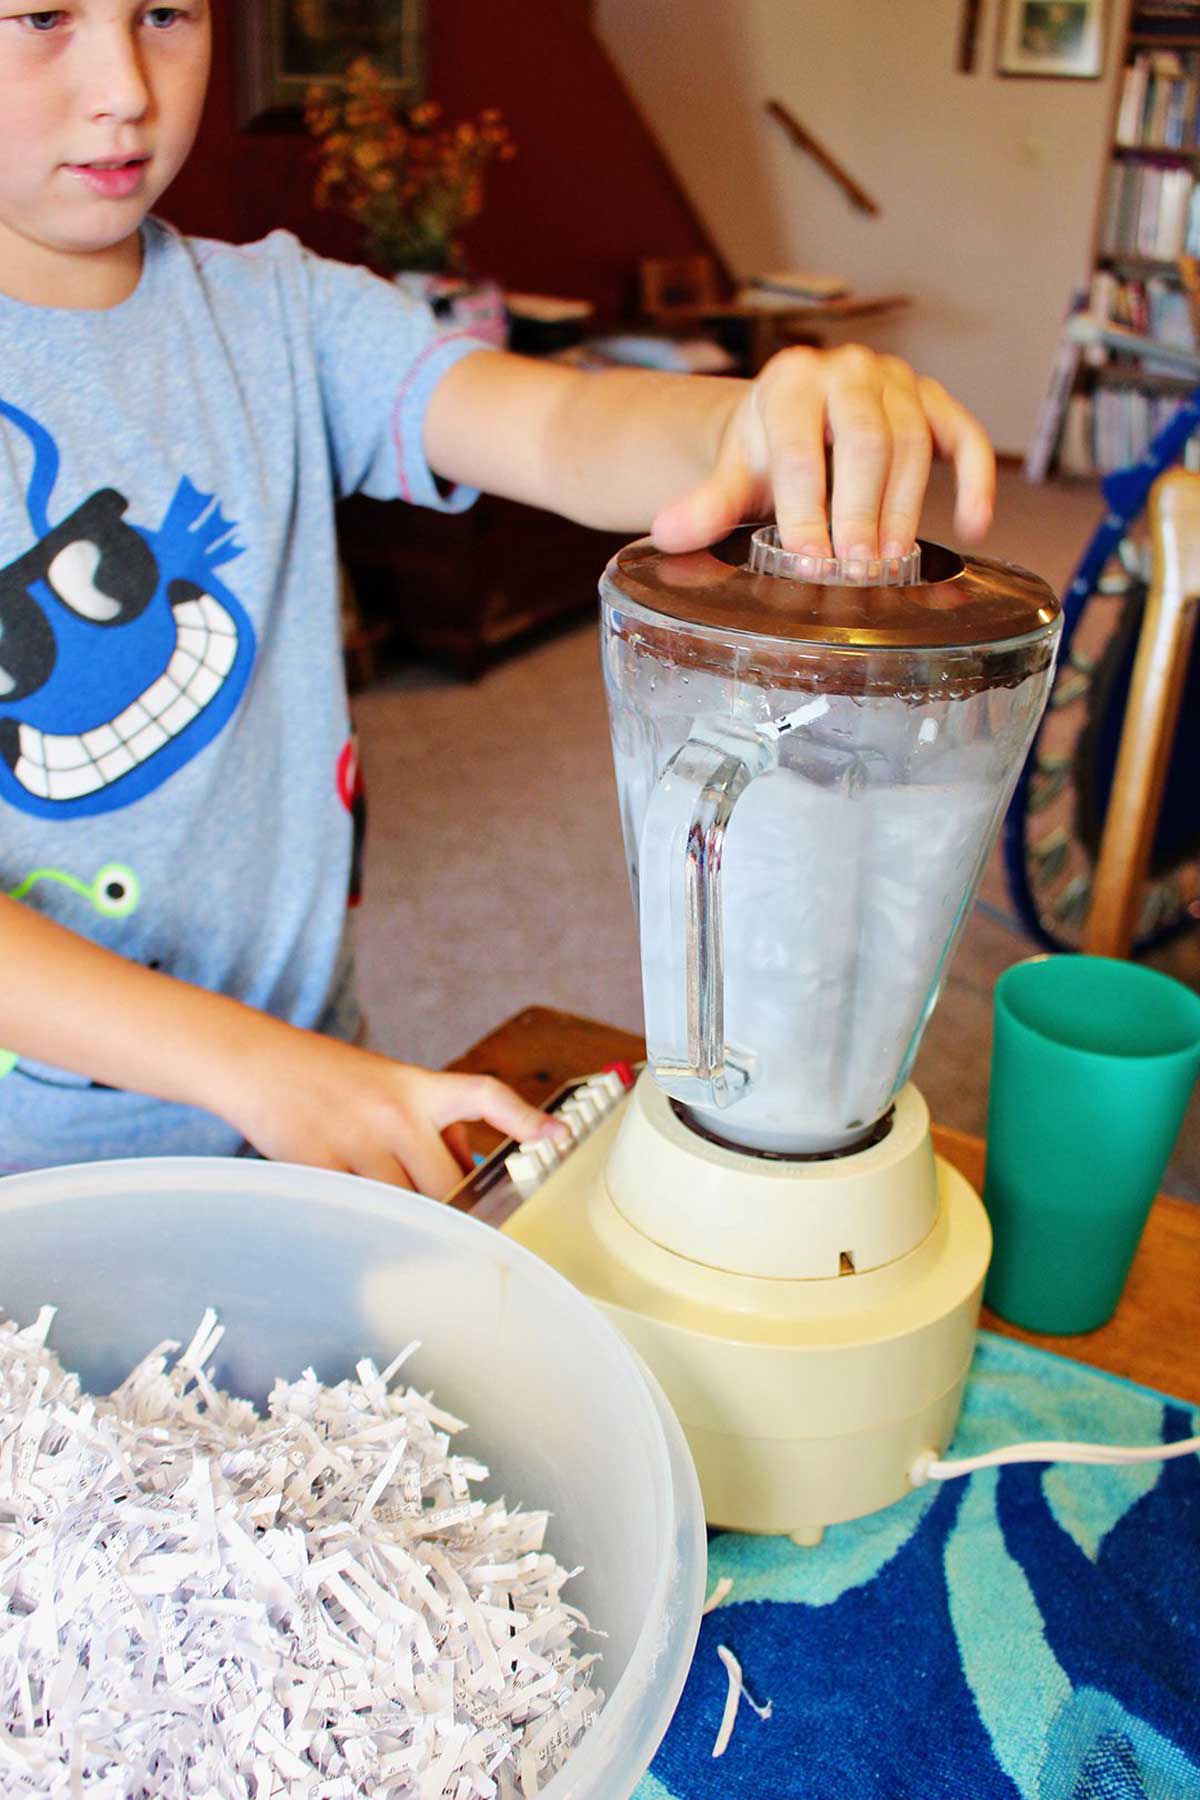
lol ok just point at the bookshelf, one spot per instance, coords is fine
(1146, 255)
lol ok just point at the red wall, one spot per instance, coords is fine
(587, 195)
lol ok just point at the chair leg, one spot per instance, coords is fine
(1147, 737)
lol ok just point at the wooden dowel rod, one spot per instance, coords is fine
(805, 141)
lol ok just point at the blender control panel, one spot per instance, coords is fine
(513, 1172)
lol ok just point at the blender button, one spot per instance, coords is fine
(524, 1171)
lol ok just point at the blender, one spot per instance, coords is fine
(813, 759)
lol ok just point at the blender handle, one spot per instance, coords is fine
(719, 778)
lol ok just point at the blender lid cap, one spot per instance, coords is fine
(768, 557)
(956, 602)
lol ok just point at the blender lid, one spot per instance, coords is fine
(956, 602)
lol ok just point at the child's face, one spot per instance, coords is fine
(99, 104)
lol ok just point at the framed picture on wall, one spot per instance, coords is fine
(284, 46)
(1063, 38)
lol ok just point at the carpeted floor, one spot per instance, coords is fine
(495, 874)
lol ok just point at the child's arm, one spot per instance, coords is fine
(693, 456)
(294, 1095)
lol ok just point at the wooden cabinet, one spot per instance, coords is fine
(464, 587)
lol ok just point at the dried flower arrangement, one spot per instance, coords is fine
(411, 182)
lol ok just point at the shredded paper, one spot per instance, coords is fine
(204, 1603)
(735, 1693)
(718, 1596)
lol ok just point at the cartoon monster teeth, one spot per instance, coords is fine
(63, 767)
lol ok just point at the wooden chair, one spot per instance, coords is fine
(1160, 669)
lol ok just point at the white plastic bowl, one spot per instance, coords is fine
(306, 1267)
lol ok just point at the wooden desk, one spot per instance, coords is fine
(770, 327)
(1154, 1336)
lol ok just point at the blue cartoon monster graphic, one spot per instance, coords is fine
(121, 654)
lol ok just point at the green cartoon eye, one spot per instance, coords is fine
(116, 891)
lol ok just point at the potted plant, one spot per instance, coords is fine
(413, 183)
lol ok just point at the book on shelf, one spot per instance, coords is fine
(1053, 410)
(1154, 307)
(1111, 428)
(798, 284)
(1158, 108)
(1150, 212)
(1076, 455)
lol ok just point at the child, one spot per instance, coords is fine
(176, 421)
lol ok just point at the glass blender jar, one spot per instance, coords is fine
(813, 761)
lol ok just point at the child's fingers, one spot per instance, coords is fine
(908, 477)
(377, 1163)
(709, 511)
(457, 1097)
(862, 459)
(962, 440)
(430, 1167)
(458, 1144)
(793, 412)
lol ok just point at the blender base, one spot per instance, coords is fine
(805, 1399)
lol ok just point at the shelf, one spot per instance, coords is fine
(1170, 386)
(1157, 154)
(1133, 264)
(1136, 172)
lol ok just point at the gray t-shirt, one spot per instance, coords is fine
(175, 769)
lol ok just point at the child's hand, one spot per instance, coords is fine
(309, 1099)
(883, 422)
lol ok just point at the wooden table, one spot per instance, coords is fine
(1154, 1337)
(769, 326)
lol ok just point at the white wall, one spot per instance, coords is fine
(988, 185)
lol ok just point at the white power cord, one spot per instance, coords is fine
(930, 1467)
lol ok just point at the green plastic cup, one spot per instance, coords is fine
(1093, 1064)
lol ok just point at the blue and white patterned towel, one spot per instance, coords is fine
(1031, 1631)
